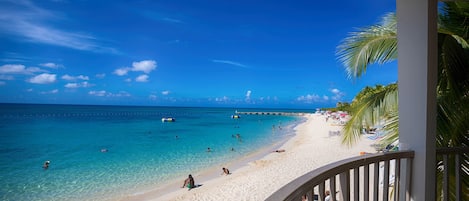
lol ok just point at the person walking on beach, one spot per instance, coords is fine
(225, 171)
(189, 183)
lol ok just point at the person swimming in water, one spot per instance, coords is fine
(189, 183)
(46, 165)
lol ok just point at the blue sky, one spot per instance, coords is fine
(278, 54)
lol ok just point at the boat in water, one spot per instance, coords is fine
(235, 116)
(168, 119)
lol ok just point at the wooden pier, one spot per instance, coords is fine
(271, 113)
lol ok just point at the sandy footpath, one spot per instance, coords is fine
(310, 148)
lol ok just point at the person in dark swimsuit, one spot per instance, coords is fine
(189, 183)
(225, 171)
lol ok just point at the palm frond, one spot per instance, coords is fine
(453, 60)
(369, 111)
(391, 128)
(374, 44)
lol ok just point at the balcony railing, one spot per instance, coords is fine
(382, 172)
(451, 162)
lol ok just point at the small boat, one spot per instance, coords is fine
(168, 119)
(235, 116)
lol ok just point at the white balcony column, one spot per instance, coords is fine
(417, 72)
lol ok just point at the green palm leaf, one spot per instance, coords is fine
(371, 109)
(374, 44)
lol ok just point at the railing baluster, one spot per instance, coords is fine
(445, 178)
(356, 184)
(386, 181)
(397, 178)
(410, 162)
(332, 187)
(458, 176)
(345, 185)
(366, 182)
(310, 193)
(376, 181)
(321, 191)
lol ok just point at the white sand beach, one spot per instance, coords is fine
(310, 148)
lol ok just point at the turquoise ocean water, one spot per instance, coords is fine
(141, 150)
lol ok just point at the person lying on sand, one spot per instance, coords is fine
(189, 183)
(279, 150)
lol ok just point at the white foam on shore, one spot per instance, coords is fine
(265, 172)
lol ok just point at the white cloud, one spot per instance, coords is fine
(310, 98)
(222, 99)
(142, 78)
(86, 84)
(326, 98)
(73, 78)
(102, 75)
(108, 94)
(72, 85)
(54, 91)
(51, 65)
(248, 95)
(165, 92)
(78, 85)
(29, 90)
(152, 97)
(233, 63)
(44, 78)
(121, 71)
(28, 22)
(145, 66)
(128, 80)
(97, 93)
(337, 94)
(12, 68)
(18, 69)
(121, 94)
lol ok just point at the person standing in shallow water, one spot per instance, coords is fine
(189, 183)
(46, 165)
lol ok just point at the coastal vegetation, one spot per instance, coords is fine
(340, 106)
(378, 105)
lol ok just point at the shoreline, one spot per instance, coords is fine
(173, 185)
(264, 172)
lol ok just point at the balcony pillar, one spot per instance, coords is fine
(417, 74)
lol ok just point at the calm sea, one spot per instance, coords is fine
(141, 150)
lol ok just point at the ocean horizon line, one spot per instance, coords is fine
(312, 109)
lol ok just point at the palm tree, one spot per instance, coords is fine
(378, 44)
(374, 44)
